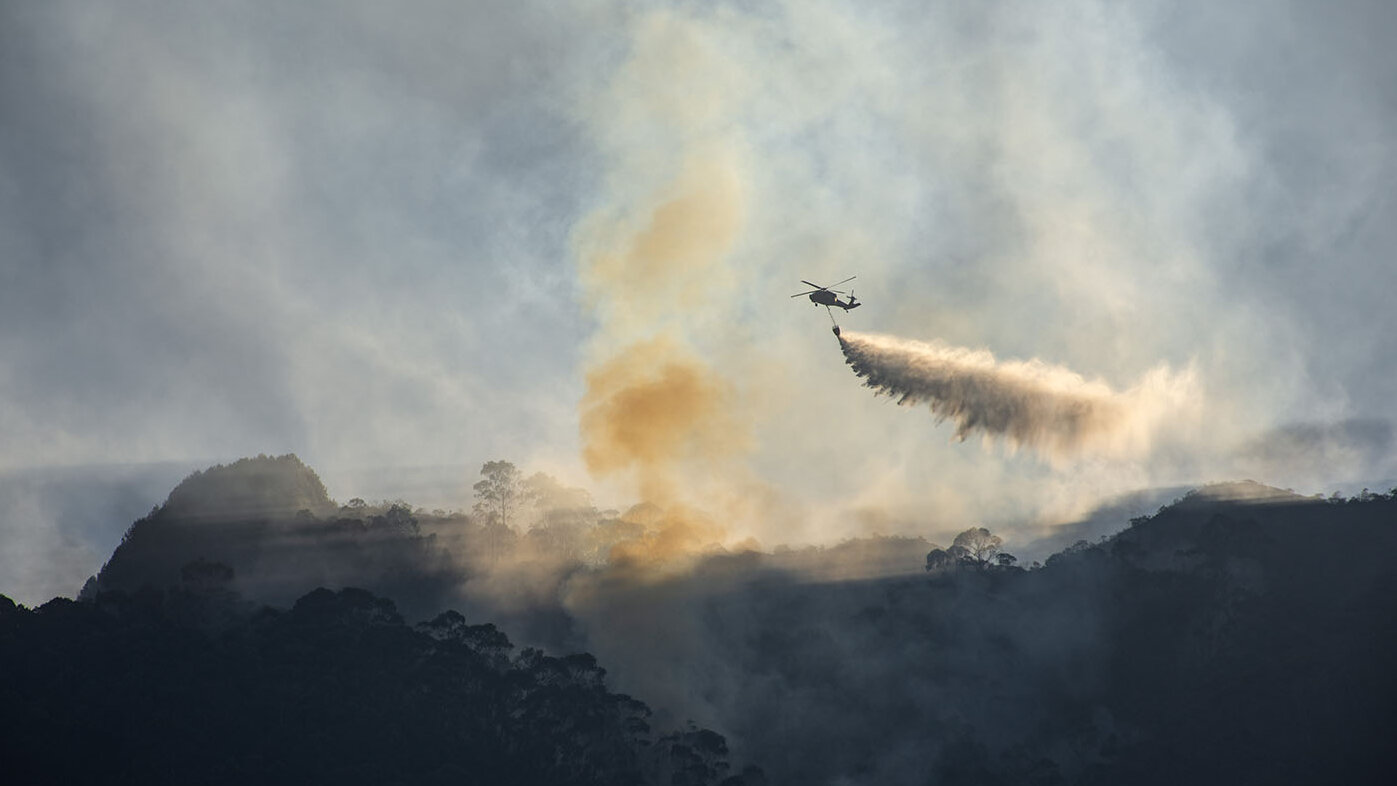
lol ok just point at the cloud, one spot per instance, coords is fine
(281, 229)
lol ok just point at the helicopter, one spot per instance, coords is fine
(828, 296)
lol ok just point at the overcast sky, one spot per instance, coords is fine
(370, 234)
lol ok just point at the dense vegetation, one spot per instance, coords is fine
(190, 686)
(1227, 639)
(1240, 635)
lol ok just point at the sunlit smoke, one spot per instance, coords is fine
(1049, 409)
(653, 260)
(665, 539)
(651, 410)
(647, 265)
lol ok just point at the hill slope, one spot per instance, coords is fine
(143, 689)
(1241, 634)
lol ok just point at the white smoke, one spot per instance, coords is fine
(1049, 409)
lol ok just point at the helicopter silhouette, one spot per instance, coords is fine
(829, 296)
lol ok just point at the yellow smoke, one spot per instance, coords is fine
(655, 415)
(651, 412)
(654, 263)
(667, 537)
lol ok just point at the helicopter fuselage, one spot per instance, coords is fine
(829, 296)
(824, 297)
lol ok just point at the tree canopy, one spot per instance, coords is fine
(338, 689)
(497, 494)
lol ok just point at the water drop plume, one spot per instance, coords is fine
(1031, 404)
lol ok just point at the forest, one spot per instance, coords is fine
(252, 629)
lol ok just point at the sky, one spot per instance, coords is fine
(400, 241)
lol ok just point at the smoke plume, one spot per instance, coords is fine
(653, 414)
(1031, 404)
(651, 407)
(654, 261)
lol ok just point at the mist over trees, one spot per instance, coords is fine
(1241, 634)
(497, 494)
(976, 548)
(270, 521)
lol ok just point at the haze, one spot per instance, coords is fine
(401, 241)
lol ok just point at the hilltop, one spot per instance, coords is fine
(1241, 633)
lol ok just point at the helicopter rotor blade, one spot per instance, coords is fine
(801, 294)
(817, 286)
(837, 283)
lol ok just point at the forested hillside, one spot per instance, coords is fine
(192, 686)
(1240, 635)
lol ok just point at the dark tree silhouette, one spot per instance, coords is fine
(336, 690)
(1217, 641)
(979, 545)
(939, 559)
(202, 575)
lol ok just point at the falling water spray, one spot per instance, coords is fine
(1031, 404)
